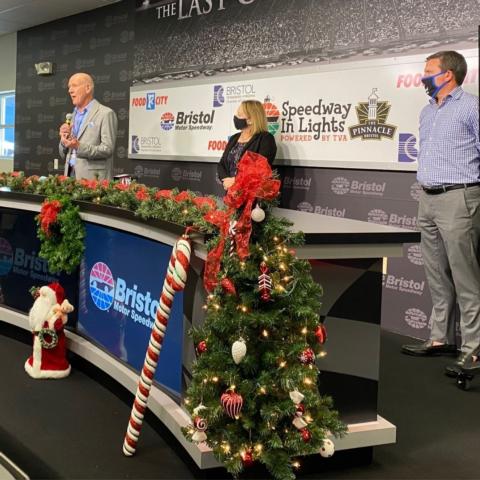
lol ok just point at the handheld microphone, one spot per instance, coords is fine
(68, 119)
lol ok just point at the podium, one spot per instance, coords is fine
(120, 279)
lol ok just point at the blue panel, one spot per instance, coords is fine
(120, 284)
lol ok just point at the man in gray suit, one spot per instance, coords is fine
(87, 142)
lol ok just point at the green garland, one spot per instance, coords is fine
(61, 233)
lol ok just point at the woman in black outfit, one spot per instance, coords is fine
(251, 120)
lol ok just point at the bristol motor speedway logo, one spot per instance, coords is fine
(167, 121)
(109, 292)
(6, 257)
(273, 115)
(101, 286)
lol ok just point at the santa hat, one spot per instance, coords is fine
(59, 291)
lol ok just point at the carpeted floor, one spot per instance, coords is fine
(74, 428)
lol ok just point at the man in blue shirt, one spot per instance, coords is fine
(449, 210)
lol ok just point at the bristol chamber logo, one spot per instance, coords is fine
(340, 185)
(372, 119)
(167, 121)
(101, 286)
(415, 318)
(218, 96)
(273, 115)
(135, 144)
(407, 147)
(6, 257)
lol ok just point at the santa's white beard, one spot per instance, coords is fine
(40, 312)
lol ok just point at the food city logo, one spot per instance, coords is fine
(108, 292)
(416, 318)
(19, 262)
(149, 101)
(187, 121)
(322, 121)
(377, 215)
(232, 93)
(297, 183)
(189, 174)
(342, 186)
(321, 210)
(145, 144)
(414, 254)
(405, 285)
(182, 9)
(414, 79)
(407, 147)
(372, 117)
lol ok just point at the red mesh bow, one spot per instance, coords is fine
(253, 181)
(48, 215)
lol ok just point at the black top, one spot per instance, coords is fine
(262, 143)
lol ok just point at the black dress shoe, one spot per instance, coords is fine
(428, 349)
(456, 367)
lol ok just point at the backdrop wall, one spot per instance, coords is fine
(106, 43)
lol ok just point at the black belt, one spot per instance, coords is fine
(447, 188)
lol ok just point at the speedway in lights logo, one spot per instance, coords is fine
(273, 115)
(107, 292)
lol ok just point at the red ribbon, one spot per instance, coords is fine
(48, 215)
(253, 181)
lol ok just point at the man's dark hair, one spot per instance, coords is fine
(451, 60)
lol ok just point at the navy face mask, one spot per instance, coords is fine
(240, 123)
(430, 87)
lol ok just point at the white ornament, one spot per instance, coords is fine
(197, 410)
(327, 449)
(296, 396)
(258, 214)
(239, 350)
(199, 436)
(299, 423)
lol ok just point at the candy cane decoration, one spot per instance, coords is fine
(231, 233)
(174, 282)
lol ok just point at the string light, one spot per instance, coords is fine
(283, 364)
(308, 418)
(243, 308)
(216, 306)
(265, 258)
(205, 380)
(258, 447)
(187, 401)
(242, 265)
(265, 333)
(185, 211)
(282, 266)
(304, 330)
(263, 390)
(204, 307)
(296, 465)
(211, 296)
(226, 447)
(280, 288)
(307, 381)
(322, 354)
(276, 239)
(215, 379)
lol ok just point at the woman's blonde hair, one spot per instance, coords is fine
(255, 112)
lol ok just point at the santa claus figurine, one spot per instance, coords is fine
(47, 318)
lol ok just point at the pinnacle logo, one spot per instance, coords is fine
(372, 117)
(416, 318)
(167, 121)
(273, 116)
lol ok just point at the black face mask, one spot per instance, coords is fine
(240, 123)
(429, 83)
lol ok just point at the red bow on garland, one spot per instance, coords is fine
(48, 215)
(253, 181)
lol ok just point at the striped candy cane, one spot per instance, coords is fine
(174, 282)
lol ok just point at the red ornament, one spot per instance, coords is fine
(247, 458)
(264, 283)
(228, 286)
(202, 347)
(232, 403)
(307, 357)
(321, 333)
(306, 435)
(300, 410)
(200, 424)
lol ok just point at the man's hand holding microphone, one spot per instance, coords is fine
(66, 133)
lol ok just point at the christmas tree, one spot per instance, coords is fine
(254, 395)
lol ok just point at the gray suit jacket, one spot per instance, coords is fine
(97, 138)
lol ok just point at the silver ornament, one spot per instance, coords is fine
(239, 350)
